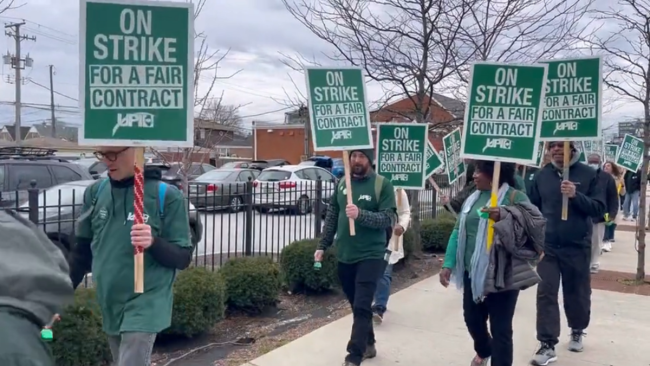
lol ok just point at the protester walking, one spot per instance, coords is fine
(567, 248)
(610, 224)
(632, 191)
(35, 286)
(608, 184)
(394, 252)
(105, 241)
(491, 279)
(360, 257)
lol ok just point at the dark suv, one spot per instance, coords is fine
(20, 166)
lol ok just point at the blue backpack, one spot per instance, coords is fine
(162, 191)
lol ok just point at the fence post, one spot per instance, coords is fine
(318, 223)
(32, 199)
(248, 221)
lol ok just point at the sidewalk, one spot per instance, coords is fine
(424, 326)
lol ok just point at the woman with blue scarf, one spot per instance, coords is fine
(467, 260)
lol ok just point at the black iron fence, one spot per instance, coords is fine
(227, 219)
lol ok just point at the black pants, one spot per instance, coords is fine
(359, 282)
(500, 309)
(571, 266)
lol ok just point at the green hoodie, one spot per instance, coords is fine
(107, 228)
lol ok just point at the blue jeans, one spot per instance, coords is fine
(609, 232)
(383, 289)
(631, 202)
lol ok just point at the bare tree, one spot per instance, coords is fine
(624, 42)
(206, 67)
(410, 46)
(522, 31)
(6, 5)
(217, 113)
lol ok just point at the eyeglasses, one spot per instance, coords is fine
(109, 155)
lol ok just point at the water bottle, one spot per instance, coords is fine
(317, 266)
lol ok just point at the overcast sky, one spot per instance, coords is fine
(254, 31)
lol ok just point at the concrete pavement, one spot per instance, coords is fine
(424, 327)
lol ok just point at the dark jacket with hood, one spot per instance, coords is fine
(588, 203)
(632, 181)
(608, 184)
(34, 285)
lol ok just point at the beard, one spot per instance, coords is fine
(359, 169)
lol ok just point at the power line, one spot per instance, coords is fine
(55, 92)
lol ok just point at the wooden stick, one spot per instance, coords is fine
(565, 176)
(138, 213)
(494, 201)
(437, 188)
(348, 187)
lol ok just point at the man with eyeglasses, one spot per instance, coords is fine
(105, 241)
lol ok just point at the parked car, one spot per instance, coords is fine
(20, 166)
(236, 165)
(95, 167)
(320, 161)
(263, 164)
(291, 187)
(221, 188)
(337, 168)
(60, 206)
(171, 172)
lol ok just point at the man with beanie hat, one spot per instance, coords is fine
(567, 248)
(360, 257)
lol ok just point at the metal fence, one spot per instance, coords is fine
(232, 219)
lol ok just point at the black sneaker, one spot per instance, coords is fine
(544, 356)
(575, 344)
(371, 352)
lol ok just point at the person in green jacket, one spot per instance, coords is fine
(361, 258)
(468, 259)
(105, 241)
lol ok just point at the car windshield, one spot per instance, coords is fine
(230, 165)
(274, 175)
(85, 162)
(337, 162)
(219, 175)
(308, 163)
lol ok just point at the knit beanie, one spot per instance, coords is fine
(369, 153)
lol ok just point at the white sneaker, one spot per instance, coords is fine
(607, 247)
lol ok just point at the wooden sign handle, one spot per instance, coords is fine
(138, 213)
(348, 187)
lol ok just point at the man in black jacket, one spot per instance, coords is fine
(567, 249)
(632, 190)
(608, 184)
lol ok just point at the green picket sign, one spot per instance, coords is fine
(540, 155)
(401, 149)
(434, 161)
(630, 154)
(454, 164)
(338, 109)
(573, 101)
(504, 112)
(136, 73)
(611, 152)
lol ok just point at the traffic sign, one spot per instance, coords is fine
(630, 154)
(433, 160)
(454, 164)
(401, 149)
(338, 109)
(504, 112)
(136, 73)
(573, 103)
(611, 151)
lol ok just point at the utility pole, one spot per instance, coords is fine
(18, 64)
(52, 101)
(303, 112)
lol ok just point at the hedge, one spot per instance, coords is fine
(199, 302)
(252, 283)
(297, 267)
(78, 336)
(435, 233)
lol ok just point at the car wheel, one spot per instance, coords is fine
(235, 204)
(303, 206)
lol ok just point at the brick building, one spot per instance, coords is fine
(287, 141)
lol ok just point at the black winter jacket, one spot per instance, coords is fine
(608, 185)
(632, 181)
(589, 203)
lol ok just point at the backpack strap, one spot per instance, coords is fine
(102, 183)
(162, 191)
(513, 193)
(379, 184)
